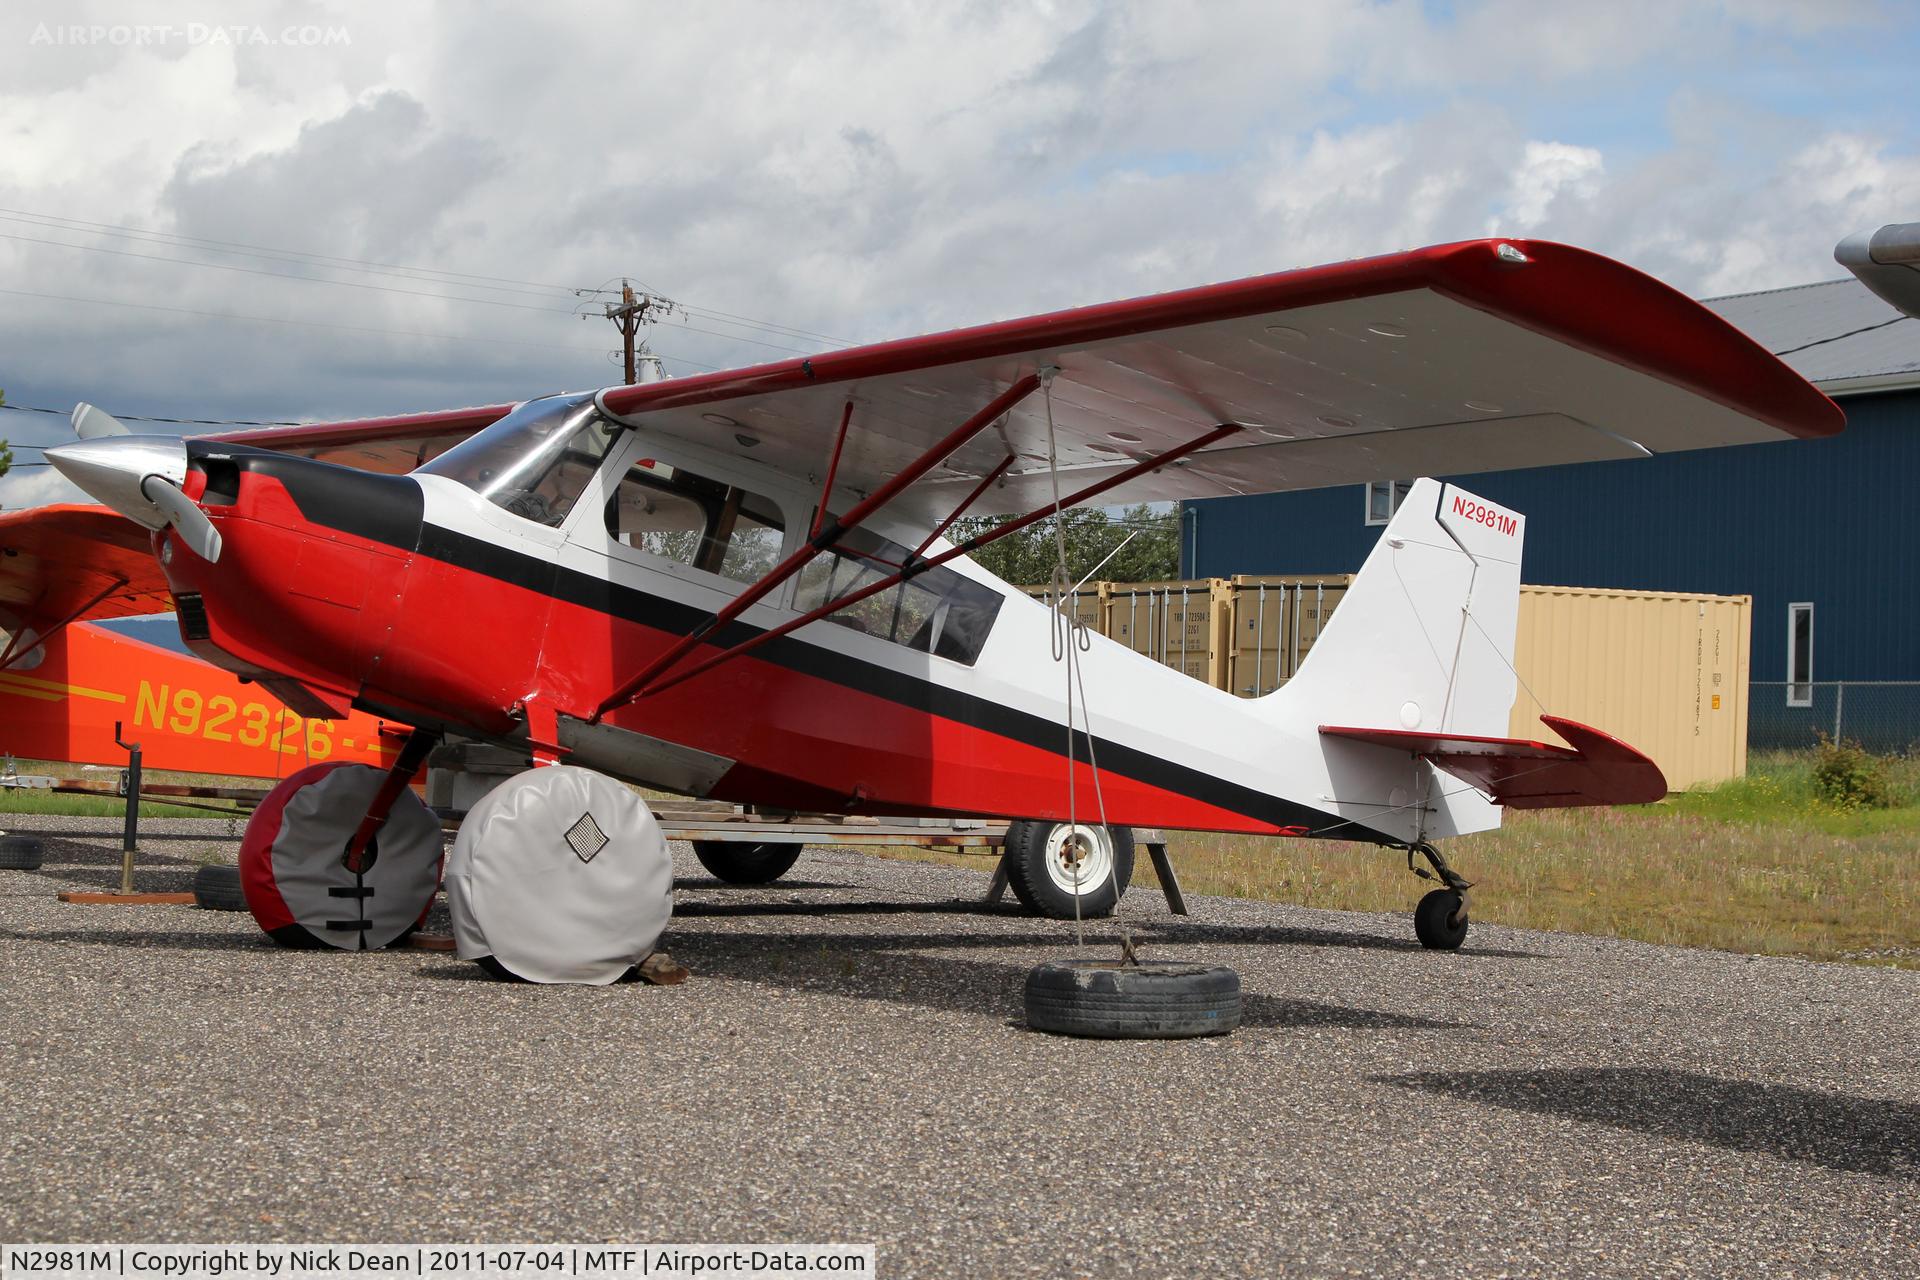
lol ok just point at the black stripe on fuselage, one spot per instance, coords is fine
(328, 501)
(631, 604)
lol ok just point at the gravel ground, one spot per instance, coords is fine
(849, 1064)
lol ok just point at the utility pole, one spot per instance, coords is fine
(632, 311)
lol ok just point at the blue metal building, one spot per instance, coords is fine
(1819, 532)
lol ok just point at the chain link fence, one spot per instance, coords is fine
(1881, 715)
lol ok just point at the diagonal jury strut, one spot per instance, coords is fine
(823, 538)
(918, 567)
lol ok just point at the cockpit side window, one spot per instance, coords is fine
(536, 461)
(939, 611)
(670, 512)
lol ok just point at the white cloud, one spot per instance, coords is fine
(35, 487)
(1547, 173)
(867, 170)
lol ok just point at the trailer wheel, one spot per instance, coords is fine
(216, 887)
(1147, 1000)
(21, 853)
(1047, 862)
(746, 863)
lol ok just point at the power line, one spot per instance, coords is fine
(361, 284)
(235, 244)
(137, 417)
(347, 328)
(304, 324)
(458, 279)
(279, 275)
(289, 257)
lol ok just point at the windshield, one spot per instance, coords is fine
(536, 461)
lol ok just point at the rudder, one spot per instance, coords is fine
(1424, 638)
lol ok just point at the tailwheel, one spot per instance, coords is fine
(1440, 920)
(294, 877)
(560, 874)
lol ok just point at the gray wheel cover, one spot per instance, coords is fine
(561, 874)
(314, 829)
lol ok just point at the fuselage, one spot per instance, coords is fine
(418, 598)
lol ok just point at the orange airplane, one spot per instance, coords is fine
(65, 685)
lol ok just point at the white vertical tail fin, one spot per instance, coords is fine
(1423, 640)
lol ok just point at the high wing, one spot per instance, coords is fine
(1467, 357)
(61, 563)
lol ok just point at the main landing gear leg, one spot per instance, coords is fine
(1440, 919)
(360, 852)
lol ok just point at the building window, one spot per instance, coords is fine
(1384, 498)
(1799, 655)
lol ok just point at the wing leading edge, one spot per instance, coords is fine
(1479, 356)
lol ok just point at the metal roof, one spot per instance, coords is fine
(1837, 334)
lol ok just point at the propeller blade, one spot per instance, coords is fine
(90, 423)
(185, 515)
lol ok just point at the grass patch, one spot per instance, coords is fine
(34, 801)
(1760, 864)
(38, 800)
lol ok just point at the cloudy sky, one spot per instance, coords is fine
(308, 210)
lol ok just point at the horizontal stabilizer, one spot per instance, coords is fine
(1597, 769)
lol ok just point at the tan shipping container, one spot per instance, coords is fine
(1663, 671)
(1275, 620)
(1089, 605)
(1182, 624)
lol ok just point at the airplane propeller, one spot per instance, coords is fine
(138, 476)
(185, 515)
(90, 422)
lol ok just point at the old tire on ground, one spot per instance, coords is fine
(1434, 924)
(559, 874)
(1151, 1000)
(291, 870)
(216, 887)
(21, 853)
(1041, 867)
(746, 863)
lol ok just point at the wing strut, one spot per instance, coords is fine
(7, 655)
(916, 567)
(833, 468)
(825, 535)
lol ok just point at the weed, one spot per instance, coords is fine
(1847, 776)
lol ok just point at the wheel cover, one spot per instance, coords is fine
(560, 875)
(1079, 858)
(290, 866)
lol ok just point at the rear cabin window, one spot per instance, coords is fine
(666, 511)
(938, 612)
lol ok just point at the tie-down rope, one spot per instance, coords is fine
(1070, 638)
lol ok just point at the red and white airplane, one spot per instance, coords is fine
(735, 585)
